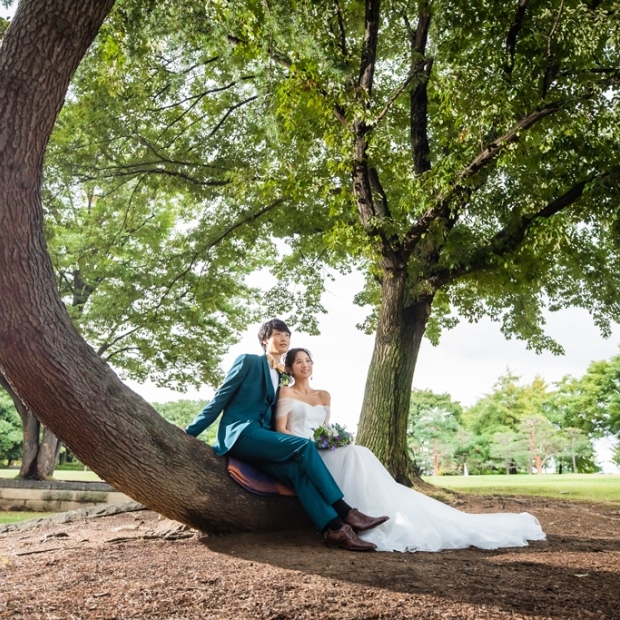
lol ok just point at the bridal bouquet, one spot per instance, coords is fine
(331, 436)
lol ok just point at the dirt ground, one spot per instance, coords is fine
(138, 565)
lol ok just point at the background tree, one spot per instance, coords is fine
(500, 409)
(181, 412)
(544, 441)
(482, 169)
(578, 447)
(472, 452)
(40, 447)
(517, 420)
(592, 402)
(433, 430)
(511, 449)
(10, 431)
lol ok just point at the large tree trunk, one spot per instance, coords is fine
(39, 454)
(49, 366)
(385, 411)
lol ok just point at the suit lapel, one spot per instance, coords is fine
(271, 394)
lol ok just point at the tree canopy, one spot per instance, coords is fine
(464, 154)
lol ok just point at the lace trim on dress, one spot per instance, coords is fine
(285, 406)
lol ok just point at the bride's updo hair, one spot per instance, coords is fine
(292, 354)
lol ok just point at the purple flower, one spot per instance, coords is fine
(331, 437)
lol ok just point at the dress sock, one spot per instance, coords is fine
(342, 508)
(334, 524)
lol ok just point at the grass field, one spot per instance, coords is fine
(59, 474)
(14, 517)
(584, 487)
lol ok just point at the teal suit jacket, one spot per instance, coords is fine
(247, 396)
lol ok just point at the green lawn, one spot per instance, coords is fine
(59, 474)
(14, 517)
(585, 487)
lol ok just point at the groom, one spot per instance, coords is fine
(247, 398)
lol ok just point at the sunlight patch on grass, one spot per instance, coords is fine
(584, 487)
(14, 517)
(59, 474)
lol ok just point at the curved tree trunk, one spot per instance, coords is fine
(385, 411)
(49, 366)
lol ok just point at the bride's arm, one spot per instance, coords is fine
(326, 401)
(283, 409)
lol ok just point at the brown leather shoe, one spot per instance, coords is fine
(361, 522)
(346, 538)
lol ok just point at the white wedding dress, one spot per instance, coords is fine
(417, 522)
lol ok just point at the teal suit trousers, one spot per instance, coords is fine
(294, 461)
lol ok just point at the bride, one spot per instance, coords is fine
(417, 522)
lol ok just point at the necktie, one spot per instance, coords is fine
(274, 364)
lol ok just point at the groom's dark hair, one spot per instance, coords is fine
(268, 327)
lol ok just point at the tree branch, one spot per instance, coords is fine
(161, 158)
(373, 177)
(369, 46)
(163, 171)
(442, 208)
(183, 114)
(213, 242)
(489, 153)
(552, 67)
(508, 240)
(229, 111)
(513, 33)
(420, 69)
(106, 345)
(204, 248)
(392, 99)
(201, 95)
(341, 29)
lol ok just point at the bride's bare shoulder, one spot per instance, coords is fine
(285, 391)
(324, 397)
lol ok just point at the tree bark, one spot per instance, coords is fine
(385, 411)
(49, 366)
(30, 433)
(49, 448)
